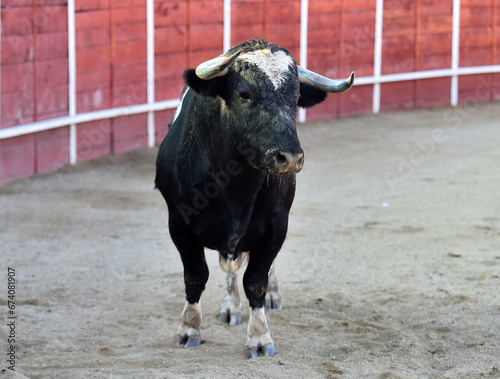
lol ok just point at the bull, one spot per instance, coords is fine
(226, 170)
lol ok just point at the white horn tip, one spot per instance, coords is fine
(351, 78)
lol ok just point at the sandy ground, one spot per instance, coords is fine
(391, 268)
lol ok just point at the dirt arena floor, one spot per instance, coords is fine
(391, 267)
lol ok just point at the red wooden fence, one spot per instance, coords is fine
(111, 61)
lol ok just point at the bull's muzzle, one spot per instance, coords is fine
(288, 163)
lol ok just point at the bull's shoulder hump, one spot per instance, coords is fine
(185, 99)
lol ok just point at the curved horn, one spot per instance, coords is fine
(216, 66)
(323, 83)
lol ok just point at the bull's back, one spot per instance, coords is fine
(170, 147)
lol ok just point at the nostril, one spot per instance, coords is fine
(282, 160)
(287, 162)
(300, 162)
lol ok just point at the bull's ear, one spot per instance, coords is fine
(310, 96)
(212, 88)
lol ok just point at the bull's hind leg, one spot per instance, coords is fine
(273, 297)
(195, 278)
(230, 310)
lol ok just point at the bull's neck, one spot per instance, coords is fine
(214, 144)
(226, 167)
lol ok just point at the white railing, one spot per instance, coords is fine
(74, 119)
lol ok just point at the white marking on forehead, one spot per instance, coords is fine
(275, 66)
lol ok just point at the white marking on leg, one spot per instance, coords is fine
(190, 320)
(188, 332)
(258, 330)
(231, 306)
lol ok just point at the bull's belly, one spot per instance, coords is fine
(229, 239)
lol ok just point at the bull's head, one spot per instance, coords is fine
(260, 86)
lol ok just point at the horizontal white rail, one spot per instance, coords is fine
(54, 123)
(418, 75)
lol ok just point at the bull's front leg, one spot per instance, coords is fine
(195, 278)
(255, 281)
(188, 332)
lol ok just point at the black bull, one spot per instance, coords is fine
(227, 172)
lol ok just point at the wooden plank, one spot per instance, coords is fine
(170, 66)
(435, 23)
(93, 58)
(51, 150)
(432, 92)
(475, 37)
(171, 39)
(475, 56)
(17, 21)
(246, 13)
(397, 95)
(433, 61)
(168, 89)
(206, 36)
(284, 12)
(433, 6)
(93, 139)
(356, 101)
(476, 16)
(17, 158)
(17, 49)
(17, 77)
(170, 12)
(207, 12)
(324, 6)
(50, 99)
(129, 94)
(129, 133)
(325, 110)
(92, 79)
(93, 100)
(17, 106)
(51, 19)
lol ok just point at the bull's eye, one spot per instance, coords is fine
(244, 95)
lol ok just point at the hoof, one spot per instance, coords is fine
(264, 351)
(273, 301)
(230, 318)
(187, 341)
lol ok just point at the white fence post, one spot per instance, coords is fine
(72, 80)
(150, 70)
(304, 24)
(455, 52)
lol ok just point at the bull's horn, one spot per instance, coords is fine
(323, 83)
(216, 66)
